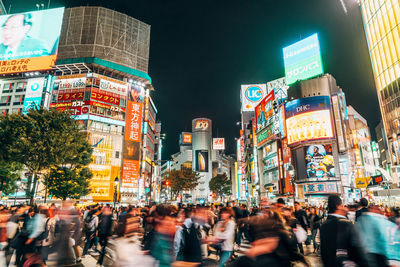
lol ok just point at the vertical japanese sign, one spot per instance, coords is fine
(357, 155)
(131, 153)
(33, 96)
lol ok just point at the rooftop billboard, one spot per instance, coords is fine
(303, 60)
(29, 41)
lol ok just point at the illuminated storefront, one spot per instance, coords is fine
(382, 29)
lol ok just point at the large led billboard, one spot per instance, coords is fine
(319, 161)
(29, 41)
(251, 96)
(308, 119)
(302, 60)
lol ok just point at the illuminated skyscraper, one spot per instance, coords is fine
(381, 22)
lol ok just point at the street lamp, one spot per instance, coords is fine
(116, 182)
(16, 190)
(291, 173)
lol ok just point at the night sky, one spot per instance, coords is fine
(202, 51)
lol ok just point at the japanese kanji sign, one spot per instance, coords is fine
(133, 126)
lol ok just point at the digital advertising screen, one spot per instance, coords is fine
(251, 95)
(202, 160)
(302, 60)
(319, 161)
(29, 41)
(308, 119)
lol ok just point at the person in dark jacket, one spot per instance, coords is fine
(104, 231)
(340, 242)
(364, 207)
(315, 224)
(302, 218)
(272, 244)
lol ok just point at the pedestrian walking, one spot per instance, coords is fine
(340, 243)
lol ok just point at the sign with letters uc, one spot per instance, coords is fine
(251, 95)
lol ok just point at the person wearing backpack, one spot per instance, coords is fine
(90, 225)
(187, 241)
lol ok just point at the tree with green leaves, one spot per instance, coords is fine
(41, 140)
(9, 174)
(181, 180)
(66, 182)
(220, 185)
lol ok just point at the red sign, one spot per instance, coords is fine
(187, 139)
(264, 111)
(105, 98)
(70, 96)
(133, 127)
(130, 173)
(76, 107)
(287, 161)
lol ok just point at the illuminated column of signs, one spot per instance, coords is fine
(131, 153)
(360, 172)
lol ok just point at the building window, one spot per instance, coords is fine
(117, 154)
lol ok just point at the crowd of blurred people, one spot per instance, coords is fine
(275, 234)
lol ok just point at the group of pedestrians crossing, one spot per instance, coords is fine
(272, 234)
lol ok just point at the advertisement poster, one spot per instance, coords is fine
(319, 161)
(308, 119)
(33, 96)
(29, 41)
(264, 111)
(219, 143)
(251, 95)
(287, 161)
(131, 150)
(202, 160)
(302, 60)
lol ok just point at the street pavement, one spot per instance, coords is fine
(211, 261)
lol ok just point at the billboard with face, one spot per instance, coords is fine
(202, 160)
(251, 96)
(302, 60)
(319, 161)
(308, 119)
(29, 41)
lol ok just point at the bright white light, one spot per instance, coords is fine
(36, 73)
(130, 80)
(344, 6)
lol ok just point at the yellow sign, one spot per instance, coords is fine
(362, 182)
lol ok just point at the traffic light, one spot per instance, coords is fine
(275, 106)
(167, 183)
